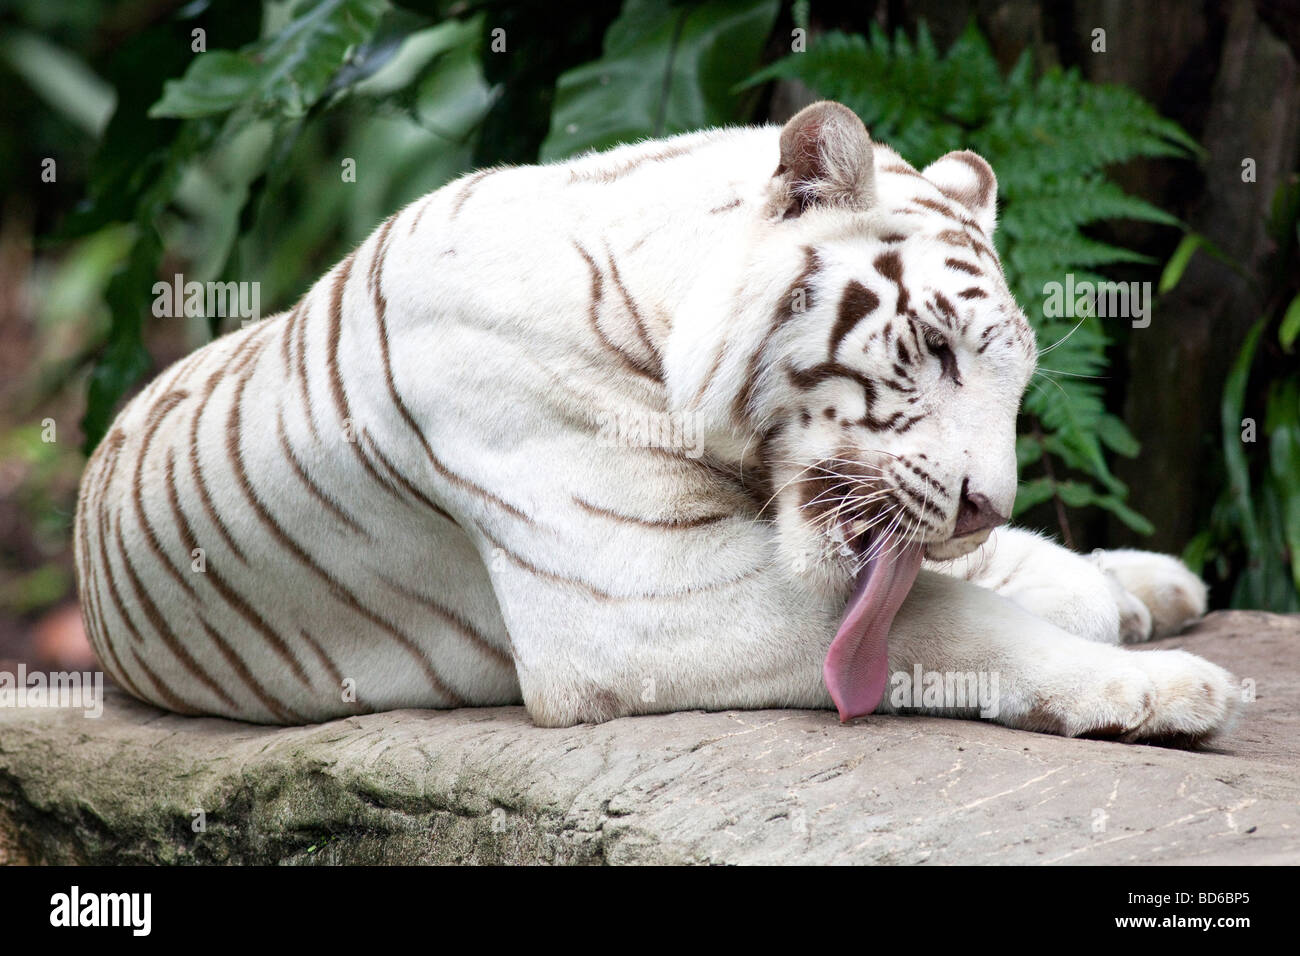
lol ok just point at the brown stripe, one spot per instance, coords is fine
(924, 502)
(336, 588)
(334, 673)
(402, 480)
(597, 295)
(196, 468)
(611, 174)
(299, 320)
(464, 194)
(105, 531)
(313, 489)
(972, 293)
(731, 205)
(658, 523)
(901, 170)
(656, 365)
(286, 340)
(337, 390)
(600, 593)
(276, 709)
(467, 630)
(159, 625)
(169, 697)
(155, 419)
(228, 594)
(856, 304)
(963, 266)
(113, 445)
(740, 406)
(890, 265)
(713, 370)
(375, 281)
(419, 213)
(940, 207)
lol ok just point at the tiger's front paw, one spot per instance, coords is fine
(1170, 697)
(1169, 593)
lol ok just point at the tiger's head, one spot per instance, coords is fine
(874, 360)
(869, 358)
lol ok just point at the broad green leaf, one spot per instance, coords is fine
(666, 69)
(285, 73)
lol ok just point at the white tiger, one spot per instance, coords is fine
(417, 488)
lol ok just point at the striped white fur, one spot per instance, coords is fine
(399, 493)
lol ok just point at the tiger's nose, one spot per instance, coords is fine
(975, 513)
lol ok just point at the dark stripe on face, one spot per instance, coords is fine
(921, 500)
(973, 293)
(809, 378)
(890, 265)
(856, 303)
(940, 207)
(962, 266)
(944, 305)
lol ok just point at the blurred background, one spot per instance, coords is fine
(1141, 141)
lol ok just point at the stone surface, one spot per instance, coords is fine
(485, 786)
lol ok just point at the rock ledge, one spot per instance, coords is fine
(485, 786)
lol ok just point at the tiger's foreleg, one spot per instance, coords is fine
(1039, 677)
(1107, 596)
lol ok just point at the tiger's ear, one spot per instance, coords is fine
(966, 178)
(825, 161)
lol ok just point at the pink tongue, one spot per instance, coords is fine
(856, 668)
